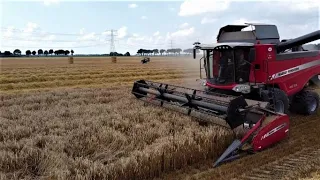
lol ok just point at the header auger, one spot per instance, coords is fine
(251, 80)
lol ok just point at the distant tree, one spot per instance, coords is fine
(46, 53)
(113, 54)
(169, 51)
(51, 51)
(28, 52)
(127, 54)
(179, 50)
(140, 51)
(34, 53)
(40, 52)
(150, 52)
(72, 52)
(162, 51)
(156, 51)
(66, 52)
(60, 52)
(7, 53)
(17, 52)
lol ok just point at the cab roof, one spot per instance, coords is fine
(228, 44)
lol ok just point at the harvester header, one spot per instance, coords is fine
(252, 80)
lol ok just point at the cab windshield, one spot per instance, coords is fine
(227, 66)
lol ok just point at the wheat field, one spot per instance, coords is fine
(80, 121)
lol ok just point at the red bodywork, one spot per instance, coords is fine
(269, 130)
(271, 133)
(266, 58)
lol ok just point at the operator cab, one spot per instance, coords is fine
(227, 63)
(227, 66)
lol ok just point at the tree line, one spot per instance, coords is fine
(173, 51)
(17, 52)
(141, 52)
(51, 52)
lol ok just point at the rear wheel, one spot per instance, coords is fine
(279, 101)
(305, 102)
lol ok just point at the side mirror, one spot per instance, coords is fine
(194, 53)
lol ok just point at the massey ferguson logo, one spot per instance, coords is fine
(273, 130)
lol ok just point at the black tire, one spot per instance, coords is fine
(305, 102)
(281, 99)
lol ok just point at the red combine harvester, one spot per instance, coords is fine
(252, 79)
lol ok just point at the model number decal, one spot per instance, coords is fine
(293, 86)
(289, 71)
(273, 131)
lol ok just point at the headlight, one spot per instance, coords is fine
(242, 88)
(204, 82)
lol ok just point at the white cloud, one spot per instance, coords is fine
(32, 37)
(182, 32)
(82, 30)
(206, 20)
(8, 32)
(132, 6)
(293, 5)
(31, 27)
(49, 38)
(122, 32)
(156, 33)
(50, 2)
(135, 35)
(90, 36)
(184, 25)
(144, 17)
(196, 7)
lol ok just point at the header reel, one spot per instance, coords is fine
(265, 127)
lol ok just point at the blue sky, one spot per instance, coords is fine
(83, 25)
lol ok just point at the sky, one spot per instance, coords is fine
(85, 26)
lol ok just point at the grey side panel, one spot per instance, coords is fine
(295, 55)
(239, 35)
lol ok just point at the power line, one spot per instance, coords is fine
(113, 33)
(46, 40)
(44, 47)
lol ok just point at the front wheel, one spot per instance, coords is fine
(278, 99)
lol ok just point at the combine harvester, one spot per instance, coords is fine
(252, 79)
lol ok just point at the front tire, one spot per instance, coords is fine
(305, 102)
(278, 100)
